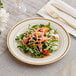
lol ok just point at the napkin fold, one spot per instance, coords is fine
(69, 29)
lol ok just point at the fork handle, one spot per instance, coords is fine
(68, 22)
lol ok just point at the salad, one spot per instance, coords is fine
(39, 40)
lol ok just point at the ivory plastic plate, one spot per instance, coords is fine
(21, 27)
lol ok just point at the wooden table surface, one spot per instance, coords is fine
(9, 66)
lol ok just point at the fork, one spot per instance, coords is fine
(55, 15)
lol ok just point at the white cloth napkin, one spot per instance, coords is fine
(43, 13)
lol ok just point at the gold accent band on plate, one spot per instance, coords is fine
(31, 62)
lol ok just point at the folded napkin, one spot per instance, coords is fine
(44, 13)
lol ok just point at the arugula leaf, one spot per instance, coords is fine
(39, 55)
(49, 26)
(20, 37)
(30, 31)
(29, 49)
(55, 31)
(48, 34)
(17, 38)
(54, 40)
(45, 45)
(34, 46)
(23, 47)
(48, 47)
(41, 25)
(35, 26)
(51, 50)
(35, 52)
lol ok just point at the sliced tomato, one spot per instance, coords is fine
(45, 52)
(25, 40)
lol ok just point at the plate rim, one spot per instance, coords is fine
(32, 62)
